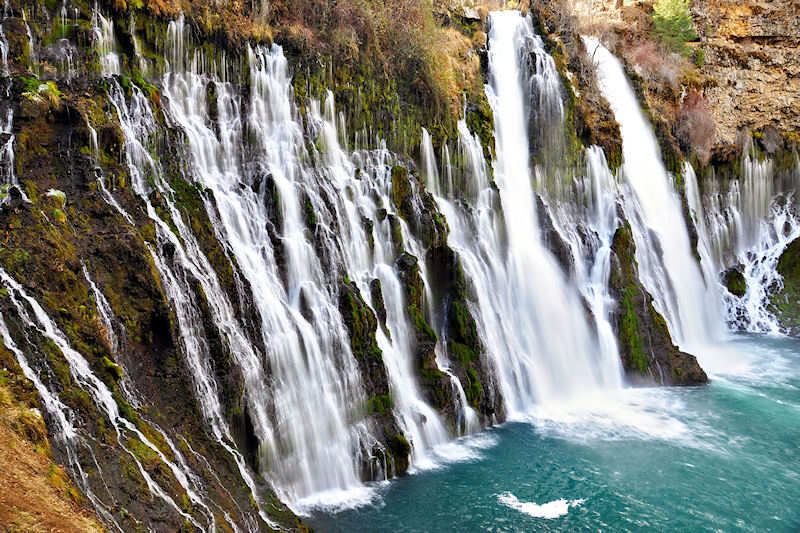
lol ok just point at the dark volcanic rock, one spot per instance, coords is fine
(552, 238)
(646, 348)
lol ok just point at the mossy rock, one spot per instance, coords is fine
(645, 345)
(734, 281)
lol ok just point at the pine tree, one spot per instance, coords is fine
(673, 24)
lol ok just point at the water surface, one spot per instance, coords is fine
(719, 458)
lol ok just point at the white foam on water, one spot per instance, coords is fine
(337, 500)
(461, 450)
(625, 414)
(549, 510)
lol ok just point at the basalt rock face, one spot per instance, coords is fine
(748, 70)
(451, 300)
(77, 225)
(362, 325)
(750, 50)
(552, 238)
(647, 351)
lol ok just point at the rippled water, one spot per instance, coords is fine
(725, 457)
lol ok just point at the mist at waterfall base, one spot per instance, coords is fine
(717, 458)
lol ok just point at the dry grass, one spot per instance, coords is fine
(36, 495)
(397, 38)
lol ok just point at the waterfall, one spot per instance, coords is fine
(179, 260)
(315, 383)
(7, 173)
(105, 43)
(32, 57)
(529, 314)
(420, 422)
(667, 264)
(3, 52)
(586, 218)
(80, 371)
(293, 270)
(60, 426)
(747, 222)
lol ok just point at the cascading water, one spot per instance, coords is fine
(80, 371)
(180, 260)
(667, 265)
(60, 418)
(7, 175)
(317, 444)
(364, 263)
(315, 382)
(529, 315)
(586, 219)
(747, 222)
(105, 43)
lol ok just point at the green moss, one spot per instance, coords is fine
(399, 445)
(629, 332)
(462, 353)
(786, 301)
(401, 188)
(378, 405)
(149, 458)
(14, 260)
(59, 216)
(310, 214)
(360, 322)
(113, 370)
(420, 324)
(480, 122)
(474, 389)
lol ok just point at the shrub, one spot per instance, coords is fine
(673, 24)
(660, 68)
(696, 126)
(647, 57)
(699, 58)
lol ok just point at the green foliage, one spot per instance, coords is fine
(114, 370)
(474, 389)
(42, 92)
(59, 216)
(673, 24)
(699, 58)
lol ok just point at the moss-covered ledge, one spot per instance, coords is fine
(646, 348)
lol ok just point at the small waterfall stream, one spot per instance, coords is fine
(667, 265)
(38, 320)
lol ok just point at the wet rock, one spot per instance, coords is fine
(552, 238)
(646, 348)
(734, 281)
